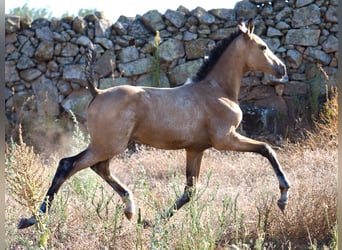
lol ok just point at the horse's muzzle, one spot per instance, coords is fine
(280, 71)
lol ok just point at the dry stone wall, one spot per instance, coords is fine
(45, 58)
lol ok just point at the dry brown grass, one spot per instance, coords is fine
(82, 220)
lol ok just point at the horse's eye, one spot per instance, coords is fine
(263, 47)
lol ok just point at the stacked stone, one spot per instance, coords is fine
(44, 68)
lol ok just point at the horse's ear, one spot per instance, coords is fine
(242, 26)
(250, 26)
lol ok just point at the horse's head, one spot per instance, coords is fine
(258, 56)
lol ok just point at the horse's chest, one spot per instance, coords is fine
(228, 112)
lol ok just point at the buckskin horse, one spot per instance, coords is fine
(198, 115)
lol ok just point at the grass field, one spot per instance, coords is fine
(234, 208)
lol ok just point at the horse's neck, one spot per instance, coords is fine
(228, 78)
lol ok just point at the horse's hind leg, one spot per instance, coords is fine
(193, 164)
(102, 169)
(66, 168)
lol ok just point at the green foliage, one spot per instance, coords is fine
(84, 12)
(33, 13)
(156, 61)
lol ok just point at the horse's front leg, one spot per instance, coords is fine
(237, 142)
(102, 169)
(193, 164)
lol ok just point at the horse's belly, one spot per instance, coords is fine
(171, 138)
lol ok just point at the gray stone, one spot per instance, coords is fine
(187, 36)
(331, 14)
(105, 83)
(171, 49)
(137, 29)
(11, 73)
(301, 3)
(197, 48)
(282, 25)
(106, 43)
(121, 42)
(102, 28)
(52, 66)
(153, 20)
(224, 14)
(272, 43)
(222, 33)
(273, 32)
(294, 58)
(105, 65)
(9, 49)
(27, 49)
(284, 13)
(12, 24)
(331, 44)
(120, 28)
(46, 96)
(70, 49)
(45, 51)
(75, 73)
(184, 10)
(58, 37)
(44, 34)
(154, 80)
(177, 18)
(318, 55)
(203, 16)
(40, 23)
(304, 37)
(30, 74)
(24, 62)
(245, 9)
(128, 54)
(279, 5)
(267, 10)
(306, 16)
(182, 72)
(77, 102)
(91, 18)
(83, 40)
(78, 25)
(64, 87)
(138, 67)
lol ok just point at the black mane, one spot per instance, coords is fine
(214, 55)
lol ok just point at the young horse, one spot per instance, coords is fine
(196, 116)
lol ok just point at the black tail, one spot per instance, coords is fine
(89, 69)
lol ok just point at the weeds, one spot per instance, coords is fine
(233, 208)
(156, 61)
(24, 176)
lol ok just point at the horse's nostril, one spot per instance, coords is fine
(280, 70)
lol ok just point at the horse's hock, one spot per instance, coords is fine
(45, 58)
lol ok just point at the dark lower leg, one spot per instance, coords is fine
(193, 163)
(64, 171)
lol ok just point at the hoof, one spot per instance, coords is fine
(24, 223)
(129, 215)
(281, 205)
